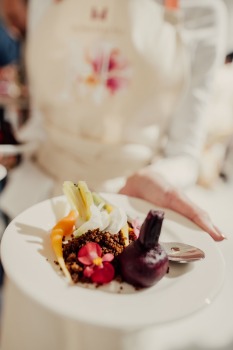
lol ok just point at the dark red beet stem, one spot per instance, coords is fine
(151, 228)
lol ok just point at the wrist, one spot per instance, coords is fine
(181, 171)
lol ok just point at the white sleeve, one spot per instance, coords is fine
(204, 33)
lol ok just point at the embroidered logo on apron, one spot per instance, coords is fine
(99, 71)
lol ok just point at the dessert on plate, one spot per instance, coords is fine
(97, 243)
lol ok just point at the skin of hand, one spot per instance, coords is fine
(152, 187)
(14, 13)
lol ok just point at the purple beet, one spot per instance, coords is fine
(144, 262)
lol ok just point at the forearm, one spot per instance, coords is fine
(180, 171)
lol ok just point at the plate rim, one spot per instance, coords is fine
(111, 325)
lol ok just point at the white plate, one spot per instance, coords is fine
(8, 150)
(29, 261)
(3, 172)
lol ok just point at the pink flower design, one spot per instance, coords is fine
(117, 61)
(108, 68)
(115, 84)
(97, 267)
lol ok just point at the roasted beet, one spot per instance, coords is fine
(144, 262)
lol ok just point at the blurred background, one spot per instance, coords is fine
(15, 114)
(13, 106)
(217, 160)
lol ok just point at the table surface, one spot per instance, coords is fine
(209, 329)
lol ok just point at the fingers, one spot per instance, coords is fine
(203, 221)
(180, 203)
(156, 190)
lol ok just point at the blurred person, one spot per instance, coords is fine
(11, 90)
(229, 46)
(121, 88)
(10, 54)
(14, 16)
(9, 47)
(217, 155)
(227, 78)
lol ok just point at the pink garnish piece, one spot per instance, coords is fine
(136, 226)
(89, 252)
(104, 274)
(98, 267)
(88, 271)
(108, 257)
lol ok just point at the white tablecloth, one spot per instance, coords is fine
(28, 326)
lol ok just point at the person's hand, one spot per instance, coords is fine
(153, 188)
(14, 13)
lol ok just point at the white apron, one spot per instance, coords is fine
(106, 78)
